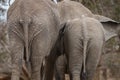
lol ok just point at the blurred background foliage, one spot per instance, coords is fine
(109, 8)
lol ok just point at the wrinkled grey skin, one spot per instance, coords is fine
(111, 29)
(84, 39)
(33, 31)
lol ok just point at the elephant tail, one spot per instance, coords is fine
(25, 28)
(85, 42)
(25, 25)
(26, 54)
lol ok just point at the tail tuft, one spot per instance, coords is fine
(84, 76)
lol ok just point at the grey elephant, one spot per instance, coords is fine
(33, 33)
(70, 10)
(83, 40)
(111, 29)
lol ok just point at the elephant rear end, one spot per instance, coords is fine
(95, 46)
(84, 39)
(33, 29)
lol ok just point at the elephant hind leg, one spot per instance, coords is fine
(40, 48)
(75, 65)
(36, 68)
(16, 65)
(60, 68)
(17, 50)
(93, 58)
(75, 56)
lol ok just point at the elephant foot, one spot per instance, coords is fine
(84, 76)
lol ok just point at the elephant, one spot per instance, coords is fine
(70, 10)
(111, 29)
(34, 32)
(84, 41)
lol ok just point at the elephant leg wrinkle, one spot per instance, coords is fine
(36, 68)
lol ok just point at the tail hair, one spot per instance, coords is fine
(85, 43)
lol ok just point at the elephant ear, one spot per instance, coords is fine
(111, 27)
